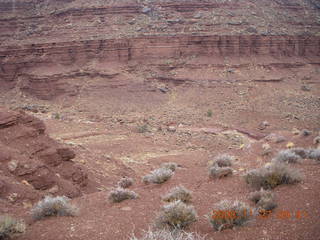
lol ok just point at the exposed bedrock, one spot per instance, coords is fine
(32, 163)
(16, 61)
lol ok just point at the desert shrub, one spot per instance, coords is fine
(314, 154)
(11, 227)
(158, 176)
(264, 200)
(53, 206)
(219, 172)
(178, 193)
(223, 160)
(303, 153)
(125, 182)
(169, 235)
(143, 128)
(120, 194)
(270, 176)
(287, 156)
(228, 214)
(175, 215)
(170, 165)
(209, 113)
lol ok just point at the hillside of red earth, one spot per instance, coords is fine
(93, 91)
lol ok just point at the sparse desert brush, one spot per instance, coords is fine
(223, 160)
(11, 227)
(169, 235)
(120, 194)
(228, 214)
(158, 176)
(303, 153)
(264, 200)
(53, 206)
(143, 128)
(270, 176)
(314, 154)
(170, 165)
(178, 193)
(125, 182)
(287, 156)
(219, 172)
(175, 215)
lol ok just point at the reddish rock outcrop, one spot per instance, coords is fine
(32, 164)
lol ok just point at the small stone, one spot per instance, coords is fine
(295, 131)
(146, 10)
(13, 197)
(54, 189)
(290, 145)
(171, 129)
(126, 208)
(12, 165)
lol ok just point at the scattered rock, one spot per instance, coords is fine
(305, 88)
(146, 10)
(12, 165)
(171, 129)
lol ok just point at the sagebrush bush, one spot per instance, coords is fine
(11, 227)
(287, 156)
(170, 165)
(169, 235)
(219, 172)
(228, 214)
(53, 206)
(125, 182)
(223, 160)
(175, 215)
(264, 199)
(270, 176)
(178, 193)
(314, 154)
(120, 194)
(303, 153)
(158, 176)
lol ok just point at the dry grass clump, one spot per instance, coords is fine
(170, 165)
(219, 172)
(178, 193)
(11, 227)
(120, 194)
(264, 200)
(288, 156)
(223, 160)
(228, 214)
(53, 206)
(169, 235)
(158, 176)
(314, 154)
(125, 182)
(270, 176)
(175, 215)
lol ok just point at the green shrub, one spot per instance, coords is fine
(169, 235)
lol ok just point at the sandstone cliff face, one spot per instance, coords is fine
(32, 164)
(18, 61)
(37, 34)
